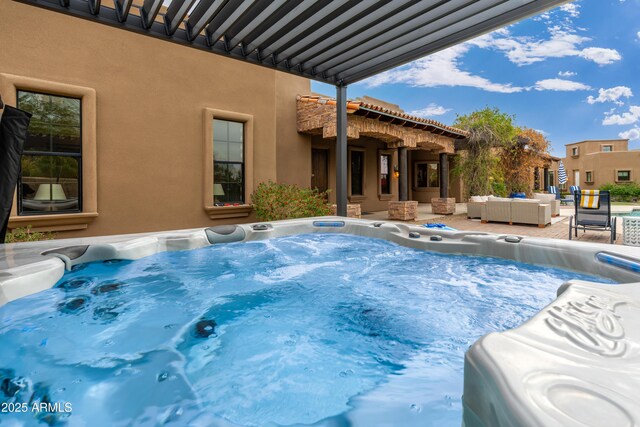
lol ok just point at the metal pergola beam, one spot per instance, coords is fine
(352, 40)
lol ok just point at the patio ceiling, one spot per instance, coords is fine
(333, 41)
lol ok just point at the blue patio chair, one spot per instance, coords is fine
(598, 218)
(554, 190)
(574, 188)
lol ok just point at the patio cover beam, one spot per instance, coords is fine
(334, 42)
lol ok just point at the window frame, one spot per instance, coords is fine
(552, 178)
(390, 153)
(68, 221)
(51, 154)
(229, 162)
(586, 177)
(415, 173)
(222, 212)
(610, 146)
(623, 180)
(575, 151)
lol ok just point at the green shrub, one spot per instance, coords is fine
(273, 202)
(623, 192)
(26, 235)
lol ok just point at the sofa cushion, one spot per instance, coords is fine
(536, 201)
(547, 198)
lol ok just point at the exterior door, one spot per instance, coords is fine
(319, 169)
(576, 177)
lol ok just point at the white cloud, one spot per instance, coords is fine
(542, 132)
(611, 95)
(573, 9)
(430, 110)
(560, 85)
(630, 117)
(562, 43)
(638, 35)
(601, 56)
(567, 74)
(438, 70)
(631, 134)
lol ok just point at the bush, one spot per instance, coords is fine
(274, 202)
(26, 235)
(623, 192)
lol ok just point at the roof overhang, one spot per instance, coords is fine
(336, 42)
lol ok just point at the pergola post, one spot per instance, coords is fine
(341, 150)
(444, 175)
(403, 166)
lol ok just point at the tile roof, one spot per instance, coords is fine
(364, 108)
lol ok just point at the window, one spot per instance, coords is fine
(51, 176)
(385, 173)
(357, 173)
(426, 175)
(228, 162)
(552, 178)
(607, 148)
(61, 139)
(589, 176)
(575, 151)
(623, 175)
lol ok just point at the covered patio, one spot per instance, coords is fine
(395, 160)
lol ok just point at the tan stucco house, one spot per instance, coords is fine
(593, 163)
(118, 144)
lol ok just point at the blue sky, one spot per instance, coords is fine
(572, 73)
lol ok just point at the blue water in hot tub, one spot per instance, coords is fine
(324, 328)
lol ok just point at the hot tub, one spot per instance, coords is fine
(327, 320)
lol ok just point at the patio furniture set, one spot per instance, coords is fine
(513, 211)
(592, 212)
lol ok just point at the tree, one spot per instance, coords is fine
(489, 131)
(520, 157)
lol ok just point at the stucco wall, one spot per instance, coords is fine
(150, 99)
(603, 165)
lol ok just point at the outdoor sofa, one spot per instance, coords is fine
(552, 200)
(516, 211)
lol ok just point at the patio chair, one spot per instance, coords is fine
(554, 190)
(596, 218)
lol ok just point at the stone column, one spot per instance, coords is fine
(403, 168)
(403, 209)
(444, 176)
(443, 205)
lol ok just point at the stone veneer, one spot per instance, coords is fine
(403, 211)
(353, 210)
(443, 206)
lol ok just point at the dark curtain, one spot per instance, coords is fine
(13, 133)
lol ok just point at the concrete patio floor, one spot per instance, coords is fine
(558, 229)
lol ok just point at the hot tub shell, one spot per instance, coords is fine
(574, 363)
